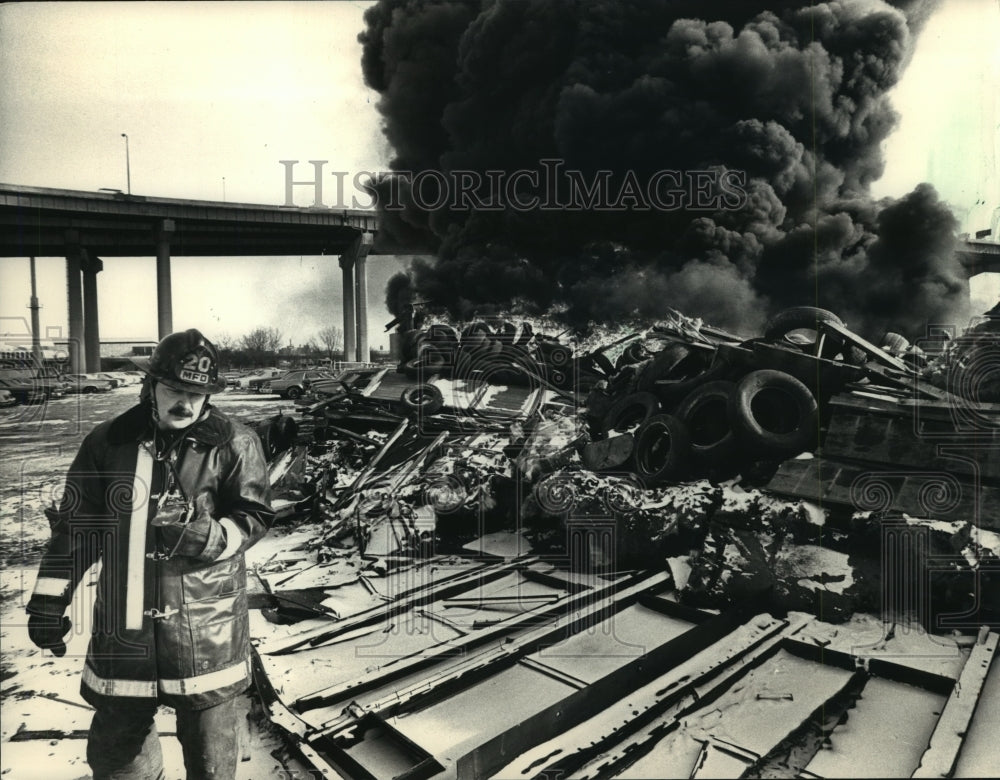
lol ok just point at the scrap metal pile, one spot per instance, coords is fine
(771, 465)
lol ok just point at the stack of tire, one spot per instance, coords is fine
(555, 362)
(505, 353)
(697, 415)
(426, 352)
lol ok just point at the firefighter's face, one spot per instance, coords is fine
(177, 409)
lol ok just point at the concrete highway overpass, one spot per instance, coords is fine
(85, 226)
(979, 257)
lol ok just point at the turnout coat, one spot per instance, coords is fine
(173, 630)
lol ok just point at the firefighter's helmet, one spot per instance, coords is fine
(185, 361)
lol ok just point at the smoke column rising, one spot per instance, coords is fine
(792, 95)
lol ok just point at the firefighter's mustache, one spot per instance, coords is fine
(180, 411)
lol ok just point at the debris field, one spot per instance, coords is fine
(513, 556)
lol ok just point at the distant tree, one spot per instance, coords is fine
(227, 346)
(241, 358)
(261, 344)
(332, 338)
(255, 341)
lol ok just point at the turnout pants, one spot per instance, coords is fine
(123, 743)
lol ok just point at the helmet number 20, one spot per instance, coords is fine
(201, 364)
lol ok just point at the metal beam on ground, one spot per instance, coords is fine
(946, 742)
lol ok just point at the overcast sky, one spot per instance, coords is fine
(206, 92)
(212, 96)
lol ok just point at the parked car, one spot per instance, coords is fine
(123, 377)
(255, 382)
(25, 391)
(242, 378)
(7, 398)
(233, 377)
(116, 381)
(39, 379)
(294, 384)
(88, 383)
(96, 378)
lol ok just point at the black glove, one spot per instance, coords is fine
(48, 632)
(189, 539)
(173, 513)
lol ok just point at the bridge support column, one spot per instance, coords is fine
(347, 260)
(77, 351)
(361, 289)
(91, 266)
(164, 302)
(36, 329)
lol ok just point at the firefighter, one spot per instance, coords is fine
(167, 496)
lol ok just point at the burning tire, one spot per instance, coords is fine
(600, 360)
(624, 381)
(433, 359)
(662, 448)
(559, 377)
(798, 318)
(633, 353)
(704, 412)
(410, 343)
(688, 374)
(442, 336)
(774, 413)
(475, 335)
(611, 454)
(430, 361)
(894, 344)
(423, 398)
(630, 410)
(411, 368)
(660, 366)
(799, 326)
(506, 332)
(555, 355)
(524, 335)
(513, 365)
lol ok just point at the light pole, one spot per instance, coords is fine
(128, 166)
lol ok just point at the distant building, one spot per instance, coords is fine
(118, 353)
(18, 350)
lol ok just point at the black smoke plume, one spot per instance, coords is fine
(788, 99)
(398, 294)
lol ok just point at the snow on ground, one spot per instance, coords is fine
(40, 693)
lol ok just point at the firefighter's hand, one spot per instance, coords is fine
(48, 632)
(188, 539)
(176, 515)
